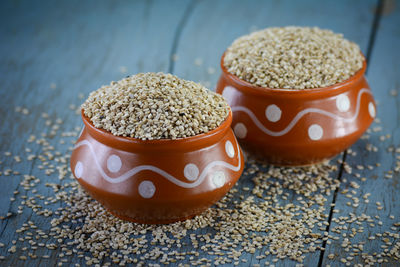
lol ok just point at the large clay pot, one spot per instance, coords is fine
(157, 181)
(298, 127)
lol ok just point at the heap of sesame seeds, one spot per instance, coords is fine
(293, 58)
(273, 214)
(155, 106)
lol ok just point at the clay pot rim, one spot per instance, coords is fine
(129, 143)
(332, 89)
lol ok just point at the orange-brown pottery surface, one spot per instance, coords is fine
(298, 127)
(157, 181)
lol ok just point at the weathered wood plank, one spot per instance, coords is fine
(213, 26)
(383, 76)
(82, 45)
(78, 46)
(204, 40)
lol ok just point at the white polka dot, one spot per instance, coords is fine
(218, 179)
(229, 149)
(273, 113)
(147, 189)
(114, 163)
(228, 93)
(78, 169)
(371, 109)
(191, 172)
(315, 132)
(240, 130)
(343, 103)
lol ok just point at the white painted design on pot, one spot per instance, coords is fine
(315, 132)
(302, 114)
(273, 113)
(240, 130)
(147, 189)
(371, 110)
(78, 169)
(343, 103)
(230, 151)
(218, 179)
(129, 174)
(191, 172)
(114, 163)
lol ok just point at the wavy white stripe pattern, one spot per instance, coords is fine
(161, 172)
(300, 115)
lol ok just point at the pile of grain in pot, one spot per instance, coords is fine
(151, 106)
(293, 58)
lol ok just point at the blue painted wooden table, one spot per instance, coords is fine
(53, 53)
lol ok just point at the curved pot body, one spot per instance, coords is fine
(298, 127)
(157, 181)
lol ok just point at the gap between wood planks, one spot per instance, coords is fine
(178, 33)
(371, 42)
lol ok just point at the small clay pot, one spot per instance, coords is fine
(157, 181)
(298, 127)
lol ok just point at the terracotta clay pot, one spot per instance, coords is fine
(298, 127)
(157, 181)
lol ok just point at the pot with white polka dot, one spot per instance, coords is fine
(298, 127)
(158, 181)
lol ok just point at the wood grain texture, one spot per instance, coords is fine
(78, 46)
(228, 22)
(213, 27)
(384, 79)
(81, 45)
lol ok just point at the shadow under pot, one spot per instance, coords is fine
(298, 127)
(157, 181)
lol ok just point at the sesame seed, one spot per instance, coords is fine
(293, 58)
(155, 106)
